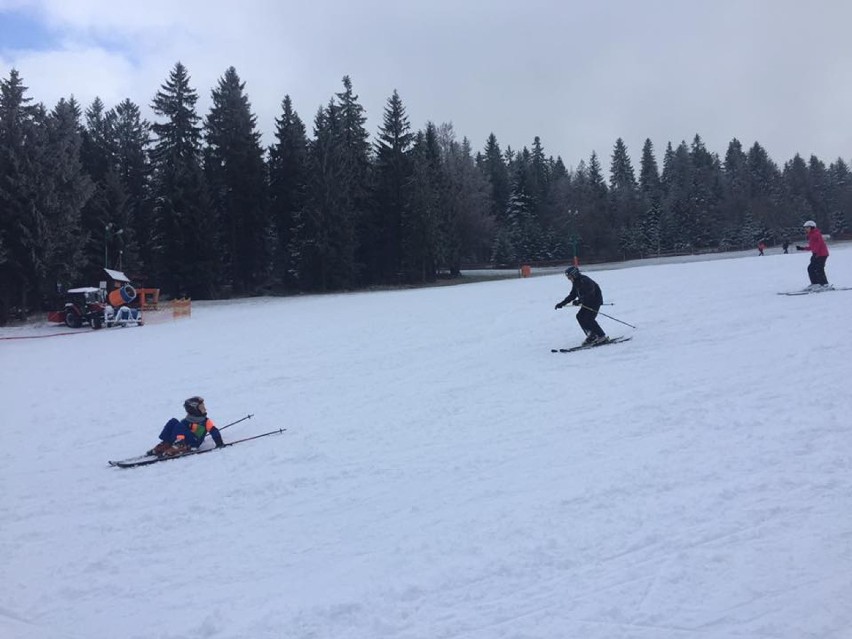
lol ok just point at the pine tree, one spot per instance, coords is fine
(819, 191)
(288, 178)
(393, 171)
(596, 236)
(325, 236)
(796, 184)
(622, 179)
(520, 223)
(705, 194)
(765, 189)
(130, 140)
(624, 204)
(63, 191)
(354, 234)
(469, 225)
(651, 190)
(737, 202)
(841, 196)
(186, 252)
(421, 220)
(676, 223)
(105, 218)
(96, 151)
(539, 178)
(494, 168)
(556, 214)
(235, 171)
(19, 220)
(330, 231)
(42, 191)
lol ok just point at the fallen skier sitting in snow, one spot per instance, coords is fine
(180, 436)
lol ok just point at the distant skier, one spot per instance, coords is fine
(180, 436)
(586, 294)
(761, 246)
(819, 254)
(786, 245)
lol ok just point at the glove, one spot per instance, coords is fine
(801, 248)
(558, 306)
(576, 302)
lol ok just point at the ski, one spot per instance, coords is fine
(584, 347)
(809, 291)
(147, 460)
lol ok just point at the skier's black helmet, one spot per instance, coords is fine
(195, 407)
(572, 272)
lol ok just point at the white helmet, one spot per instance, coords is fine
(809, 223)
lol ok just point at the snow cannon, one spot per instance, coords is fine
(122, 296)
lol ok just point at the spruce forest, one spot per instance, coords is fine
(197, 206)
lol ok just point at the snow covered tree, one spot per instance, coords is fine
(705, 194)
(650, 187)
(840, 200)
(624, 199)
(494, 168)
(470, 226)
(676, 224)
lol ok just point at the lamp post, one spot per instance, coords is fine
(108, 235)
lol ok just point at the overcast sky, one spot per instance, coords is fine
(577, 74)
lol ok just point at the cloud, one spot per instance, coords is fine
(577, 74)
(83, 73)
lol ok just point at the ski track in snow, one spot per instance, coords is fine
(443, 474)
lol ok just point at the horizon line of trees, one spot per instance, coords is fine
(197, 206)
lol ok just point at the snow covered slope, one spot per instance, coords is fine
(444, 475)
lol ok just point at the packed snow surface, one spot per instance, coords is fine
(443, 474)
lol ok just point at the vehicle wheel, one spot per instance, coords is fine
(72, 320)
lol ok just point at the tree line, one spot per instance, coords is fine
(197, 206)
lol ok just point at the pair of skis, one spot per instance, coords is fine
(584, 347)
(147, 460)
(822, 289)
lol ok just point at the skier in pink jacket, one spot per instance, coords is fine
(819, 254)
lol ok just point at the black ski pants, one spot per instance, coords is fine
(816, 269)
(586, 319)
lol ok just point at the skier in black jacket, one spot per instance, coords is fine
(586, 294)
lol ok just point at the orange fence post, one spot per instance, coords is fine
(181, 308)
(149, 298)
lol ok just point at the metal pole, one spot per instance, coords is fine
(246, 439)
(605, 315)
(249, 416)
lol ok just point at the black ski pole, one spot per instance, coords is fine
(247, 439)
(249, 416)
(609, 316)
